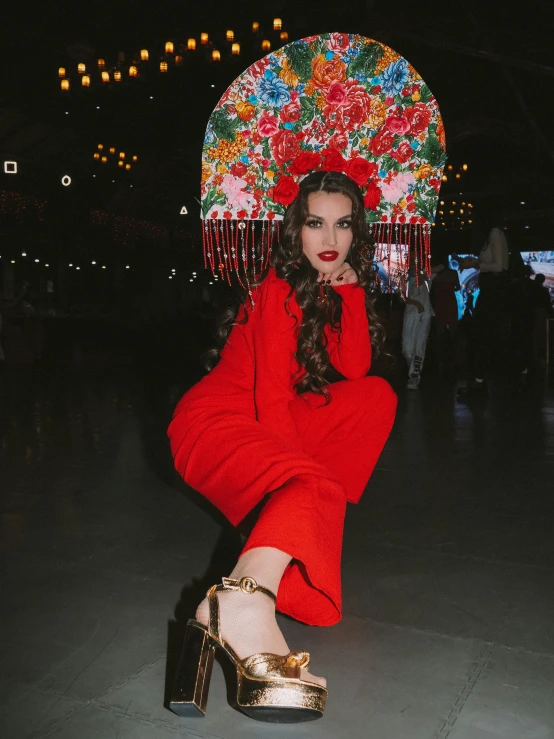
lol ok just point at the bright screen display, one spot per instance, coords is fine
(469, 285)
(390, 261)
(541, 262)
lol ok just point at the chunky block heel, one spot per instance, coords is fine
(192, 683)
(269, 686)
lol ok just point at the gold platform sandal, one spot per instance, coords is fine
(269, 687)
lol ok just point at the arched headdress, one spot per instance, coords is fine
(334, 102)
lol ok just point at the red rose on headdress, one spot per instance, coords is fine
(285, 191)
(325, 71)
(397, 124)
(339, 141)
(284, 146)
(336, 94)
(338, 42)
(242, 214)
(238, 169)
(382, 142)
(333, 161)
(403, 153)
(419, 118)
(372, 197)
(305, 162)
(354, 111)
(227, 214)
(291, 113)
(268, 125)
(411, 208)
(355, 115)
(360, 170)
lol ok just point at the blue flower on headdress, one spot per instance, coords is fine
(394, 77)
(272, 91)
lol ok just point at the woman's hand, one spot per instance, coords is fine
(344, 275)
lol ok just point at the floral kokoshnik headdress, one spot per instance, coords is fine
(335, 102)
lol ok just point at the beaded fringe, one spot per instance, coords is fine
(243, 248)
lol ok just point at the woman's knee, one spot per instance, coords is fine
(374, 392)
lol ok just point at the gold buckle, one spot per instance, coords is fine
(248, 585)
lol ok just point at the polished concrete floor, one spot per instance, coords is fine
(448, 627)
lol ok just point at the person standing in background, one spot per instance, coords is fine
(416, 326)
(543, 311)
(445, 306)
(491, 307)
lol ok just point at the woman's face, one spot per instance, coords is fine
(327, 232)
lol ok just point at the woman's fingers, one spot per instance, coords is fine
(344, 275)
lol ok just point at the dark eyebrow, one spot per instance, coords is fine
(319, 218)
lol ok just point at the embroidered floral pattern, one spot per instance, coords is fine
(332, 102)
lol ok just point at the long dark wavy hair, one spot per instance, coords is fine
(293, 266)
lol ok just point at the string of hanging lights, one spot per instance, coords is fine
(111, 155)
(174, 56)
(454, 209)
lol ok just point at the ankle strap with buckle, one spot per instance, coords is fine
(246, 585)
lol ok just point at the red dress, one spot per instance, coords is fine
(242, 433)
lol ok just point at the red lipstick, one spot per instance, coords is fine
(328, 256)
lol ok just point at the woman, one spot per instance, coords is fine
(265, 425)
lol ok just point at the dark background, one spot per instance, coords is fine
(488, 64)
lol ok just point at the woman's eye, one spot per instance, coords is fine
(345, 224)
(313, 223)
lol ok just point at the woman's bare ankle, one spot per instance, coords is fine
(248, 624)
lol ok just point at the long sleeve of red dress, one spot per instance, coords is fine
(274, 344)
(350, 348)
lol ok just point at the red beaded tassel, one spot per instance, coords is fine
(389, 248)
(427, 236)
(205, 244)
